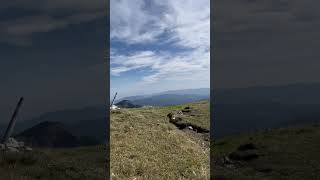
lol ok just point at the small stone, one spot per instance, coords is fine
(190, 127)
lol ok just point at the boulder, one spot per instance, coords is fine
(13, 145)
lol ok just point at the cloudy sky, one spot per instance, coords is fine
(52, 53)
(265, 42)
(159, 45)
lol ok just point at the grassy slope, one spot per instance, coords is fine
(144, 145)
(87, 163)
(288, 153)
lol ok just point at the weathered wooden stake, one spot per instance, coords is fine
(113, 99)
(12, 122)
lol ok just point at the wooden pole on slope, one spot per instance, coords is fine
(113, 99)
(12, 122)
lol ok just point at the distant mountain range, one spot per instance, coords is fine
(256, 108)
(88, 125)
(169, 98)
(127, 104)
(234, 110)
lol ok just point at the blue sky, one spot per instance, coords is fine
(159, 45)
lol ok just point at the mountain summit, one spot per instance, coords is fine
(48, 134)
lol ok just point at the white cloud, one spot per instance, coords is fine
(189, 22)
(124, 63)
(186, 23)
(164, 65)
(194, 65)
(131, 23)
(53, 5)
(43, 23)
(51, 15)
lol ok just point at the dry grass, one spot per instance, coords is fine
(144, 145)
(287, 154)
(87, 163)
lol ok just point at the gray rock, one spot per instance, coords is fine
(12, 149)
(28, 148)
(12, 143)
(12, 140)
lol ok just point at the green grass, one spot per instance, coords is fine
(144, 145)
(288, 153)
(87, 163)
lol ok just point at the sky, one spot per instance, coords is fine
(159, 45)
(265, 42)
(52, 53)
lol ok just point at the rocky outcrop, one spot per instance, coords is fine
(244, 153)
(177, 118)
(12, 145)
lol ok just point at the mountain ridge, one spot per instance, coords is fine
(168, 98)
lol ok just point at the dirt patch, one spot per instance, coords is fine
(178, 121)
(200, 134)
(247, 146)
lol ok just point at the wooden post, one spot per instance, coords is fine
(113, 99)
(12, 122)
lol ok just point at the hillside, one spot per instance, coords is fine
(48, 134)
(145, 145)
(127, 104)
(85, 163)
(286, 153)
